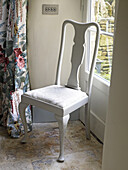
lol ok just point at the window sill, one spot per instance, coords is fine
(100, 83)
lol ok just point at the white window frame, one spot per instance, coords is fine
(97, 79)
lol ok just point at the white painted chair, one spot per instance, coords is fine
(63, 100)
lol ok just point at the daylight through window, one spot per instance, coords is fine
(103, 12)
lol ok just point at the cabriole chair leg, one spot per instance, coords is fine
(22, 107)
(62, 122)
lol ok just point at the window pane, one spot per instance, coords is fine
(104, 58)
(103, 12)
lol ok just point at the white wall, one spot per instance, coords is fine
(43, 46)
(115, 155)
(44, 38)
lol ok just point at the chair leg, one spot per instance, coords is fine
(22, 107)
(87, 121)
(62, 122)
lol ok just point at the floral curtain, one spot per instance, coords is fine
(14, 77)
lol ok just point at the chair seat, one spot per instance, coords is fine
(57, 95)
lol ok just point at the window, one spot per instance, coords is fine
(103, 12)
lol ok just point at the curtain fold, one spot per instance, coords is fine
(14, 75)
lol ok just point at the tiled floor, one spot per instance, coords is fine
(41, 151)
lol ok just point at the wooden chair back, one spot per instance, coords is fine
(78, 53)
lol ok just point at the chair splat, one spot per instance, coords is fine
(78, 52)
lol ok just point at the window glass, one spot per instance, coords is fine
(103, 12)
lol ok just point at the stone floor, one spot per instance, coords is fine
(41, 151)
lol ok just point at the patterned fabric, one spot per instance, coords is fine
(14, 77)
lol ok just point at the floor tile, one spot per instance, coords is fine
(42, 149)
